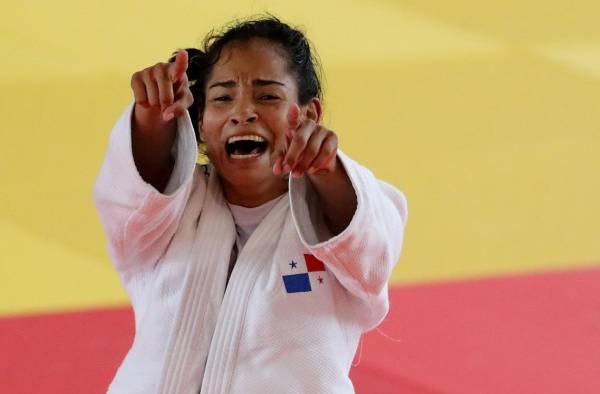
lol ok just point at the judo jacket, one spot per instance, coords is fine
(298, 299)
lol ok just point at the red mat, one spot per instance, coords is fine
(523, 334)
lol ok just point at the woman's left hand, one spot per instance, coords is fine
(306, 148)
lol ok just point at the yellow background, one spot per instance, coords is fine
(486, 114)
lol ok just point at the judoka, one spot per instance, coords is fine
(259, 271)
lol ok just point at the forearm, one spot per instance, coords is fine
(337, 196)
(152, 140)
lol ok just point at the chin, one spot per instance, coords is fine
(256, 178)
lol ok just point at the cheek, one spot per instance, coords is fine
(276, 120)
(211, 136)
(211, 125)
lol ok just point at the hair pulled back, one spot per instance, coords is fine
(301, 60)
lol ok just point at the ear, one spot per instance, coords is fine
(200, 132)
(312, 110)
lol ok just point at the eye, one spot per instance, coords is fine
(268, 97)
(222, 98)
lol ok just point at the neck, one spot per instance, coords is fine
(252, 195)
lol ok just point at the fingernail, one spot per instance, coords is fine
(296, 174)
(169, 116)
(287, 168)
(311, 170)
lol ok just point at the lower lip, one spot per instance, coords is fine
(244, 157)
(247, 160)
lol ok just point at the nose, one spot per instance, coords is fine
(244, 113)
(243, 119)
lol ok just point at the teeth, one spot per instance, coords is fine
(245, 138)
(249, 155)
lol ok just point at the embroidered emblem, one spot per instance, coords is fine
(298, 283)
(313, 264)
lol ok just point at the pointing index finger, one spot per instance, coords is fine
(282, 139)
(292, 118)
(178, 68)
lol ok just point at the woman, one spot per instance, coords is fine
(258, 272)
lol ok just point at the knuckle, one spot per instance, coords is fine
(166, 94)
(308, 160)
(155, 70)
(329, 149)
(293, 155)
(312, 149)
(302, 137)
(164, 71)
(332, 139)
(145, 76)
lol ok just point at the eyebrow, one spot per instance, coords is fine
(256, 82)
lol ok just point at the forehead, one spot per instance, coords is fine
(256, 58)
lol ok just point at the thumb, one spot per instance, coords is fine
(178, 68)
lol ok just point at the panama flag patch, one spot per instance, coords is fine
(300, 282)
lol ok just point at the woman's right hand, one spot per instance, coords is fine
(161, 95)
(161, 91)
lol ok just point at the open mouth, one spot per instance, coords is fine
(245, 146)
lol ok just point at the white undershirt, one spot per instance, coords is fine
(247, 219)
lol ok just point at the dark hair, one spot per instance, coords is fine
(302, 61)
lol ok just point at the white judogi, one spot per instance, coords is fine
(285, 323)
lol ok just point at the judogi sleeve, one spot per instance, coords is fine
(139, 221)
(363, 255)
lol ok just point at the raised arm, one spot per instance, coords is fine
(364, 217)
(141, 192)
(161, 95)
